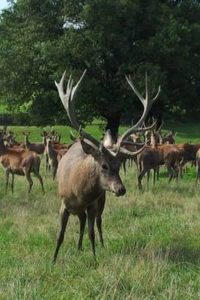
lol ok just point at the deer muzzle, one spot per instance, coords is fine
(121, 191)
(118, 189)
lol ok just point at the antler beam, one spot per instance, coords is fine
(147, 103)
(68, 100)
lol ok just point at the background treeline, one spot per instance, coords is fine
(39, 39)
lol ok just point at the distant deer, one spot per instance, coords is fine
(169, 138)
(156, 155)
(36, 147)
(21, 162)
(54, 156)
(56, 137)
(189, 152)
(89, 169)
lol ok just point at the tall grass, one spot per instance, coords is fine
(152, 244)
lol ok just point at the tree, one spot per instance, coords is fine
(29, 31)
(109, 38)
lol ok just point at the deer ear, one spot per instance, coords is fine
(90, 149)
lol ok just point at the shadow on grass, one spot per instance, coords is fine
(177, 253)
(183, 254)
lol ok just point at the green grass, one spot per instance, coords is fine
(152, 244)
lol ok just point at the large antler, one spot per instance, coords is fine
(68, 100)
(147, 103)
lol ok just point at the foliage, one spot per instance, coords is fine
(109, 38)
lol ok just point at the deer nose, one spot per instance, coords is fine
(121, 191)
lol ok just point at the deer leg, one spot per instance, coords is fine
(36, 171)
(7, 180)
(170, 172)
(46, 162)
(37, 174)
(154, 176)
(12, 183)
(176, 172)
(64, 216)
(140, 176)
(148, 176)
(99, 211)
(82, 220)
(182, 164)
(198, 174)
(158, 172)
(91, 220)
(55, 166)
(29, 179)
(99, 227)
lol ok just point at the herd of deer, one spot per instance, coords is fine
(87, 168)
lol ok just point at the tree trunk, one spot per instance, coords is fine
(113, 123)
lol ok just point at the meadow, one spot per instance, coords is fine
(152, 239)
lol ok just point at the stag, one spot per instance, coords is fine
(19, 162)
(89, 169)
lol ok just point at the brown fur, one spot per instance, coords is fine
(189, 152)
(153, 157)
(83, 176)
(21, 162)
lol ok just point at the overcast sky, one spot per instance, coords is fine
(3, 4)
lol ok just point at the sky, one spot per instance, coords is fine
(3, 4)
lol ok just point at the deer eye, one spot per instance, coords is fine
(104, 167)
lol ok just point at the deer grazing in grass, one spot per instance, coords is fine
(19, 162)
(89, 169)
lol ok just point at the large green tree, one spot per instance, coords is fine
(38, 40)
(29, 30)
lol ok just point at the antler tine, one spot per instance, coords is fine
(68, 100)
(128, 79)
(156, 96)
(131, 154)
(147, 103)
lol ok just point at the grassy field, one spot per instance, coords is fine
(152, 240)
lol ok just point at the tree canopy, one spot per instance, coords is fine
(40, 39)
